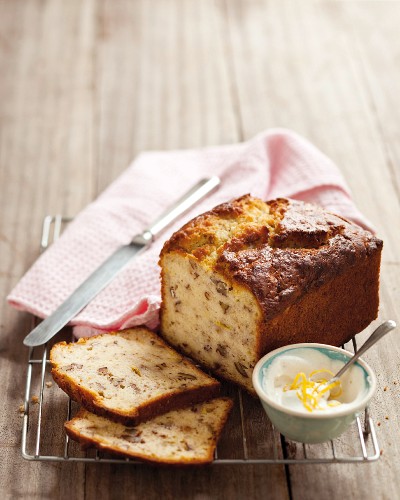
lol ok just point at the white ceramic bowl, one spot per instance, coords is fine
(315, 426)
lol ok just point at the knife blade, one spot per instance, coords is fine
(106, 272)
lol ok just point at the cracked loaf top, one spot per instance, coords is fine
(280, 249)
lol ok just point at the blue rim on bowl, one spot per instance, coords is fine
(334, 353)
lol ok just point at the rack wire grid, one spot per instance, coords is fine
(248, 437)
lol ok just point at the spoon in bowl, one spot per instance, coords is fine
(382, 330)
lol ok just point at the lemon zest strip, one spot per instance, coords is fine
(311, 391)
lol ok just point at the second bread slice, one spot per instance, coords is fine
(181, 437)
(128, 376)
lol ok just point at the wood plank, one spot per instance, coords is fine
(377, 49)
(217, 483)
(46, 158)
(162, 80)
(296, 67)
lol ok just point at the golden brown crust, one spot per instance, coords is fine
(209, 231)
(89, 399)
(298, 250)
(355, 290)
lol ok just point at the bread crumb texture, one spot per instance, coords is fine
(186, 436)
(129, 375)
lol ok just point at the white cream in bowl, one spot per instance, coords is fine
(275, 375)
(281, 372)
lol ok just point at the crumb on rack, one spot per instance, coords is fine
(385, 388)
(35, 399)
(378, 424)
(49, 384)
(21, 408)
(386, 418)
(381, 452)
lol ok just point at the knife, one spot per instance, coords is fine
(105, 273)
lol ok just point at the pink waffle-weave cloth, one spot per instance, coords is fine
(275, 163)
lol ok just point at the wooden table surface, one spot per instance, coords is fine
(85, 85)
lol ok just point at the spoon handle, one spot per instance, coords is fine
(382, 330)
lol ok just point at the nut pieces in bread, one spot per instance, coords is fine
(129, 376)
(179, 437)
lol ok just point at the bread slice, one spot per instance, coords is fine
(250, 276)
(185, 437)
(129, 376)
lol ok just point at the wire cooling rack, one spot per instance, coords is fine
(248, 437)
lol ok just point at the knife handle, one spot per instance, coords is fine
(199, 191)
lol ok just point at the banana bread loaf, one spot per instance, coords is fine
(250, 276)
(128, 376)
(181, 437)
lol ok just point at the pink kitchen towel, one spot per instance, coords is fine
(275, 163)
